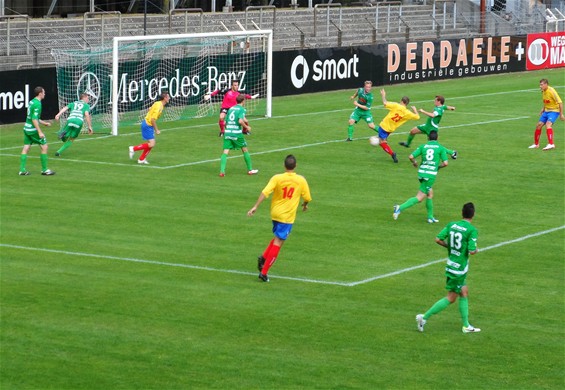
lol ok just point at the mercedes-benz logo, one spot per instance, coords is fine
(90, 84)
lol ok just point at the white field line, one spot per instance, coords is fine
(215, 160)
(91, 138)
(304, 280)
(445, 259)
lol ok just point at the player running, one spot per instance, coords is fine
(460, 239)
(434, 157)
(363, 102)
(287, 189)
(230, 96)
(79, 112)
(432, 123)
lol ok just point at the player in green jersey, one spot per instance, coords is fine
(79, 112)
(434, 157)
(236, 126)
(362, 99)
(432, 123)
(460, 239)
(34, 135)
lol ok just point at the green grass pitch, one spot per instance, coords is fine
(115, 275)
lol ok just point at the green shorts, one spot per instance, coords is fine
(426, 184)
(426, 129)
(72, 128)
(234, 143)
(357, 115)
(455, 284)
(33, 138)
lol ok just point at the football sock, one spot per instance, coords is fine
(43, 158)
(23, 161)
(437, 307)
(222, 124)
(386, 148)
(64, 146)
(409, 203)
(266, 253)
(350, 129)
(145, 153)
(537, 135)
(430, 207)
(549, 132)
(223, 162)
(247, 158)
(270, 260)
(140, 147)
(464, 310)
(409, 139)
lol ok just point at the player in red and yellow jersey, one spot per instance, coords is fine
(287, 189)
(397, 116)
(551, 110)
(149, 128)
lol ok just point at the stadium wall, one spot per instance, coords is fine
(327, 69)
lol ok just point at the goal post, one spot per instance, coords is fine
(125, 79)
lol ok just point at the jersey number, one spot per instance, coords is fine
(396, 118)
(288, 192)
(455, 241)
(430, 154)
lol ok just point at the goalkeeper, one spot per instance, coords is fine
(230, 96)
(79, 112)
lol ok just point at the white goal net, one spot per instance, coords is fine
(124, 80)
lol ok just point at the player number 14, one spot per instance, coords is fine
(288, 192)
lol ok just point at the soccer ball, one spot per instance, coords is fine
(374, 140)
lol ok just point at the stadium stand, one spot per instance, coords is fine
(26, 42)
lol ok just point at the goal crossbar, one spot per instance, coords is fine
(229, 35)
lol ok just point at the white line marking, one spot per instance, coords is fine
(305, 280)
(215, 160)
(445, 259)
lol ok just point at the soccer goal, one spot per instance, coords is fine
(124, 80)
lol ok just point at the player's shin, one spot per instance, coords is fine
(549, 132)
(464, 310)
(43, 158)
(247, 158)
(386, 148)
(537, 135)
(430, 208)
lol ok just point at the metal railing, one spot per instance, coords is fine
(186, 11)
(327, 7)
(302, 36)
(102, 15)
(444, 4)
(8, 18)
(261, 9)
(389, 8)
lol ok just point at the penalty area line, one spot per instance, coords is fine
(162, 263)
(401, 271)
(304, 280)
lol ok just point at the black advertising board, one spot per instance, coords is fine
(328, 69)
(316, 70)
(16, 90)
